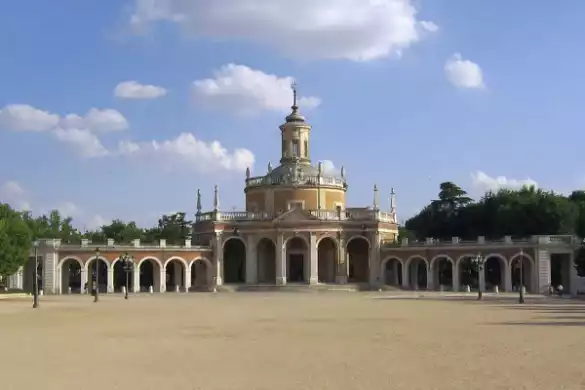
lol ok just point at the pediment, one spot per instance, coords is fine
(295, 215)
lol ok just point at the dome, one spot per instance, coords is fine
(295, 117)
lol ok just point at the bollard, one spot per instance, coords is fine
(123, 289)
(41, 293)
(468, 288)
(496, 289)
(523, 290)
(177, 289)
(69, 290)
(150, 289)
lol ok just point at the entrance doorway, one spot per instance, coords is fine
(296, 268)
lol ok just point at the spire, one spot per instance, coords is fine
(293, 86)
(215, 198)
(198, 202)
(376, 197)
(392, 200)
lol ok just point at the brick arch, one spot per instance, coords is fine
(441, 256)
(424, 259)
(180, 259)
(391, 257)
(154, 258)
(92, 258)
(203, 259)
(67, 258)
(517, 255)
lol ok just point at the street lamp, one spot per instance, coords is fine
(97, 276)
(479, 262)
(128, 265)
(521, 296)
(36, 276)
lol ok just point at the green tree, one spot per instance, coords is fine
(174, 228)
(15, 241)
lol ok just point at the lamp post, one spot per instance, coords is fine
(128, 264)
(479, 262)
(36, 276)
(97, 276)
(521, 296)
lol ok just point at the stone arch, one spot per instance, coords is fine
(330, 236)
(230, 238)
(234, 260)
(358, 255)
(358, 237)
(119, 274)
(149, 272)
(103, 267)
(175, 273)
(468, 275)
(442, 272)
(266, 260)
(298, 266)
(201, 273)
(417, 267)
(71, 268)
(297, 236)
(495, 275)
(528, 271)
(391, 270)
(327, 257)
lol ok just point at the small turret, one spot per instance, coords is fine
(376, 199)
(215, 198)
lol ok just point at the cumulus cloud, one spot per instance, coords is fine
(188, 152)
(14, 194)
(329, 167)
(356, 30)
(22, 117)
(464, 73)
(98, 120)
(82, 141)
(246, 91)
(135, 90)
(483, 182)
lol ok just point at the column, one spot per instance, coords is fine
(374, 261)
(280, 260)
(314, 260)
(430, 284)
(49, 260)
(405, 275)
(543, 264)
(573, 275)
(110, 287)
(482, 279)
(217, 260)
(83, 278)
(455, 273)
(187, 278)
(508, 278)
(136, 279)
(162, 280)
(20, 278)
(251, 260)
(341, 273)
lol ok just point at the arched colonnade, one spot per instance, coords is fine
(172, 274)
(443, 272)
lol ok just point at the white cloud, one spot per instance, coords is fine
(329, 167)
(84, 142)
(96, 222)
(98, 120)
(358, 30)
(186, 151)
(22, 117)
(481, 181)
(247, 91)
(11, 192)
(464, 73)
(135, 90)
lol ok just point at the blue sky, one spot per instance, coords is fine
(410, 93)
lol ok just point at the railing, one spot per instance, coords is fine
(554, 240)
(330, 181)
(55, 243)
(324, 215)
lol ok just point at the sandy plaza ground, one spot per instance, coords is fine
(333, 340)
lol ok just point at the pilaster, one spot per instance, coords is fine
(136, 279)
(251, 260)
(187, 278)
(314, 259)
(508, 277)
(280, 260)
(218, 259)
(455, 273)
(374, 260)
(110, 286)
(543, 264)
(50, 260)
(430, 284)
(481, 277)
(405, 276)
(162, 281)
(342, 262)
